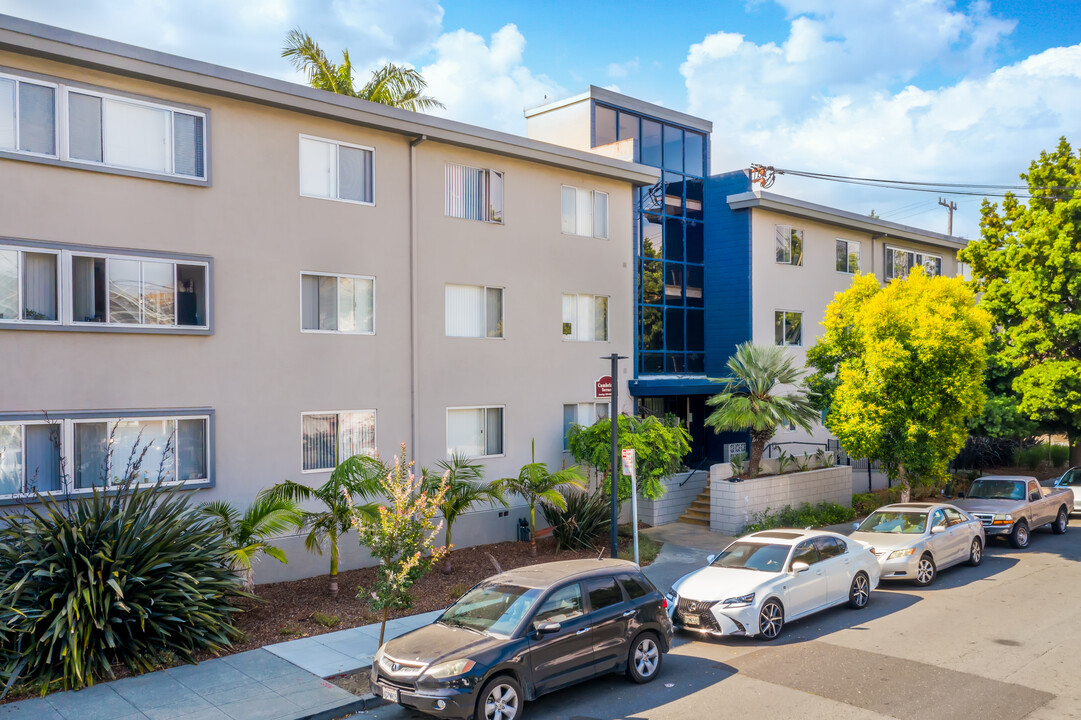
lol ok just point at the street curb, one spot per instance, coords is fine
(337, 712)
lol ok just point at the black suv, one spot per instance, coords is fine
(524, 633)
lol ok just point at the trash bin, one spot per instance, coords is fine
(523, 530)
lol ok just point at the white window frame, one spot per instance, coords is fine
(170, 144)
(337, 180)
(484, 320)
(57, 135)
(502, 428)
(597, 406)
(488, 207)
(848, 253)
(338, 440)
(68, 289)
(575, 336)
(784, 327)
(592, 212)
(23, 249)
(25, 470)
(337, 304)
(920, 254)
(788, 235)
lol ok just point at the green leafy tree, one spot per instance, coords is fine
(357, 477)
(394, 85)
(535, 484)
(752, 399)
(659, 449)
(402, 537)
(1027, 267)
(465, 488)
(900, 370)
(249, 533)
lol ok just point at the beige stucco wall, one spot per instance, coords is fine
(570, 125)
(258, 371)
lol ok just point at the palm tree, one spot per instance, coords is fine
(750, 401)
(358, 476)
(535, 484)
(394, 85)
(249, 533)
(464, 489)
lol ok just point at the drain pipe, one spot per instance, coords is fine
(414, 302)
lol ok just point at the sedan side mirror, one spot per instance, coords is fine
(548, 628)
(938, 529)
(798, 567)
(960, 495)
(710, 559)
(855, 526)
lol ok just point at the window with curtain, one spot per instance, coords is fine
(584, 212)
(474, 311)
(111, 451)
(848, 256)
(473, 193)
(899, 263)
(585, 318)
(587, 414)
(336, 171)
(475, 432)
(788, 327)
(328, 439)
(29, 285)
(337, 303)
(29, 458)
(789, 245)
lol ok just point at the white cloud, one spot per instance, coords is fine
(486, 83)
(621, 70)
(838, 96)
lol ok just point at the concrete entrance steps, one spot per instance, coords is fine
(698, 512)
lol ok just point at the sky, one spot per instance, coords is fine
(954, 91)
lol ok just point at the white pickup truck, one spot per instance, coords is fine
(1014, 505)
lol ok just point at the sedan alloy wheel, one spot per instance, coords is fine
(860, 592)
(770, 620)
(975, 553)
(925, 570)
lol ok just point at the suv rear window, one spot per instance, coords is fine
(634, 586)
(603, 592)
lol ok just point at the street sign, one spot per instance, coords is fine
(603, 388)
(628, 461)
(629, 469)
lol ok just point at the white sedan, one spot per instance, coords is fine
(763, 580)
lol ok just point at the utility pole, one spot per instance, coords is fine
(951, 206)
(613, 415)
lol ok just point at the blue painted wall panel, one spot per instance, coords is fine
(728, 270)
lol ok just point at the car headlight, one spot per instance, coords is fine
(378, 659)
(740, 601)
(451, 668)
(1002, 519)
(901, 553)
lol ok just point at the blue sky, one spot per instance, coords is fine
(937, 90)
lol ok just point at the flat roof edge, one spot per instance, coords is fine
(627, 102)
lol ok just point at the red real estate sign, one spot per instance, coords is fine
(603, 389)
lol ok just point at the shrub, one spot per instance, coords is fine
(131, 579)
(867, 503)
(806, 515)
(648, 548)
(326, 620)
(1034, 456)
(586, 518)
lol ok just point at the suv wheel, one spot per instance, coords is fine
(501, 699)
(644, 659)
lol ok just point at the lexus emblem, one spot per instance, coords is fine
(395, 667)
(693, 607)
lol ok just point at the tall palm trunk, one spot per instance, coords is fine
(758, 446)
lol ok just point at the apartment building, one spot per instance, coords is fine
(719, 261)
(260, 279)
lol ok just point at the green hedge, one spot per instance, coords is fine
(806, 515)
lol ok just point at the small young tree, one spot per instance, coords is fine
(358, 476)
(401, 537)
(465, 488)
(535, 484)
(659, 446)
(752, 399)
(900, 370)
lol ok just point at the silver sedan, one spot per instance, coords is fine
(913, 541)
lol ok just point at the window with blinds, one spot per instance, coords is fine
(337, 303)
(585, 318)
(475, 431)
(336, 171)
(474, 311)
(27, 116)
(584, 212)
(473, 193)
(328, 439)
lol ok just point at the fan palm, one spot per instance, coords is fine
(535, 484)
(394, 85)
(249, 533)
(359, 476)
(750, 400)
(464, 489)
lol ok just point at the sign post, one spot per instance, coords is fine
(629, 469)
(614, 421)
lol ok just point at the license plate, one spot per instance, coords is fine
(691, 620)
(390, 694)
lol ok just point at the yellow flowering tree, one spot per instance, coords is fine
(402, 537)
(900, 369)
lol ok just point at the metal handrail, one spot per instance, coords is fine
(769, 448)
(697, 469)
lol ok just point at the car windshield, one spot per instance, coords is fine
(496, 609)
(997, 490)
(752, 556)
(882, 521)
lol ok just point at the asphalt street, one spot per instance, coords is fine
(997, 642)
